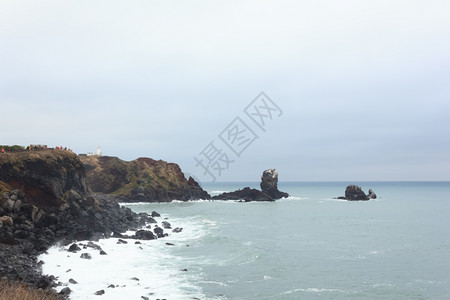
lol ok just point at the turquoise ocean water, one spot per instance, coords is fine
(308, 246)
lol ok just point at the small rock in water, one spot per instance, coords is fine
(68, 270)
(159, 232)
(111, 286)
(120, 241)
(99, 293)
(145, 298)
(94, 246)
(155, 214)
(145, 235)
(166, 225)
(103, 252)
(72, 281)
(85, 256)
(183, 270)
(170, 244)
(74, 248)
(135, 278)
(65, 291)
(177, 230)
(137, 243)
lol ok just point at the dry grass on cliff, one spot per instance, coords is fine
(17, 291)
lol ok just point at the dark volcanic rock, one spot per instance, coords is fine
(85, 256)
(355, 193)
(269, 184)
(74, 248)
(145, 235)
(372, 195)
(246, 194)
(65, 291)
(159, 232)
(166, 225)
(44, 198)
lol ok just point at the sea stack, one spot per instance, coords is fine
(269, 184)
(355, 193)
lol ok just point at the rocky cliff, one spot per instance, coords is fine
(44, 198)
(140, 180)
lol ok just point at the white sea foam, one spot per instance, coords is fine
(160, 274)
(316, 291)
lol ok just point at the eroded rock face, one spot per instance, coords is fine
(44, 176)
(269, 184)
(140, 180)
(43, 199)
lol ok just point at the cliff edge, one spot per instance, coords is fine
(44, 198)
(140, 180)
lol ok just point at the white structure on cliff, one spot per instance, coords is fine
(97, 153)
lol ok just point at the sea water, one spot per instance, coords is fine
(308, 246)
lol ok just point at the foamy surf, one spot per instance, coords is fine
(139, 269)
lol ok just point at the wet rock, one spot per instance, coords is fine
(151, 221)
(74, 248)
(103, 252)
(155, 214)
(159, 232)
(94, 246)
(73, 281)
(111, 286)
(85, 256)
(145, 235)
(170, 244)
(177, 230)
(120, 241)
(372, 195)
(100, 292)
(166, 225)
(65, 291)
(135, 278)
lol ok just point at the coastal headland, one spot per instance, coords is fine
(45, 198)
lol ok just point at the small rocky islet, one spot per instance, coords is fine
(355, 193)
(269, 190)
(54, 195)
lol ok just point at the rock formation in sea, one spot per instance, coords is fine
(140, 180)
(355, 193)
(44, 198)
(269, 186)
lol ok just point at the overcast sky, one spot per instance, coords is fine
(360, 90)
